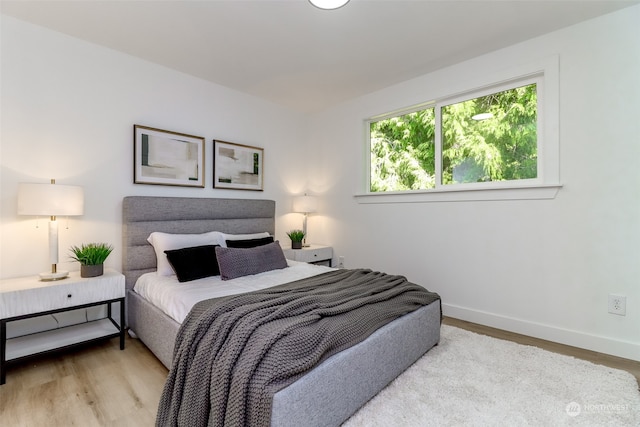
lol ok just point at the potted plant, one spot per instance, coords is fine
(91, 257)
(296, 237)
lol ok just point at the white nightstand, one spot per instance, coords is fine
(314, 254)
(27, 297)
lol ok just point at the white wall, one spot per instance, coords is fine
(543, 268)
(68, 110)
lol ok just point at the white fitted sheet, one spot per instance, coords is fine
(176, 299)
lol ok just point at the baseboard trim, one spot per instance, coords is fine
(601, 344)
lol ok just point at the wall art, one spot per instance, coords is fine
(237, 166)
(163, 157)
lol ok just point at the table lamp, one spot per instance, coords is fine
(51, 200)
(305, 205)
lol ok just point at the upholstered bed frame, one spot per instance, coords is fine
(331, 392)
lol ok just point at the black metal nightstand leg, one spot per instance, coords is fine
(3, 352)
(122, 328)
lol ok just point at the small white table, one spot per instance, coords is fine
(28, 297)
(313, 254)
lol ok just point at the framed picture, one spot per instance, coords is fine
(162, 157)
(238, 167)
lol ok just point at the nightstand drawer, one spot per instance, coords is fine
(314, 254)
(17, 299)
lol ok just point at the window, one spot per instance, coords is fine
(491, 138)
(473, 140)
(403, 152)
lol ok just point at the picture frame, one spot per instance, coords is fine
(237, 166)
(163, 157)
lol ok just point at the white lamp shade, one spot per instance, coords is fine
(305, 204)
(50, 199)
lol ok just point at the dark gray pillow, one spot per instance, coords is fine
(249, 243)
(238, 262)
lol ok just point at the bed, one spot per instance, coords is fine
(329, 393)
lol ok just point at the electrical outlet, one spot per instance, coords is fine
(340, 262)
(618, 304)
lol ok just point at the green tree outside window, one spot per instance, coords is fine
(490, 138)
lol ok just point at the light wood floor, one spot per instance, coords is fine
(103, 386)
(98, 385)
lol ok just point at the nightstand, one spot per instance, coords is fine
(28, 297)
(313, 254)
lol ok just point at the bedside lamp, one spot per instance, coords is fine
(51, 200)
(305, 205)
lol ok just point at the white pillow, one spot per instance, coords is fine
(165, 241)
(226, 237)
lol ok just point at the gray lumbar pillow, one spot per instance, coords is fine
(238, 262)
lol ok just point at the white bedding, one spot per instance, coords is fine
(176, 299)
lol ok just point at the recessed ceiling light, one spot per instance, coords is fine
(482, 116)
(328, 4)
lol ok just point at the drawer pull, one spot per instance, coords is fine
(69, 296)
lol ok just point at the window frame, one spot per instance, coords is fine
(545, 74)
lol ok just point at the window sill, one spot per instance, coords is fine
(534, 192)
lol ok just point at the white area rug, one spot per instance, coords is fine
(475, 380)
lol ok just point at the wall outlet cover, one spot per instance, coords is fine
(618, 304)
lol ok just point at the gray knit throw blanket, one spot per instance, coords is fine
(233, 353)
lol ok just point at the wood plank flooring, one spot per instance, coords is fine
(98, 385)
(102, 386)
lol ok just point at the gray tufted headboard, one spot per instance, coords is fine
(142, 215)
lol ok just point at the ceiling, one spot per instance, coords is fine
(301, 57)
